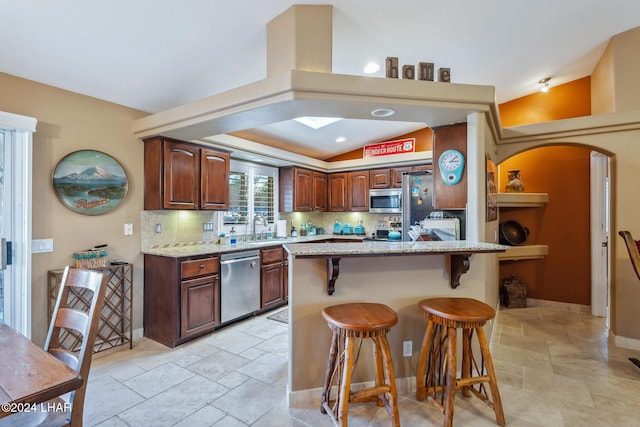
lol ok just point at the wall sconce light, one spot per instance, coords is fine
(544, 84)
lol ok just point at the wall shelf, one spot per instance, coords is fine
(521, 200)
(524, 252)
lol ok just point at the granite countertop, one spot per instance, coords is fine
(390, 248)
(177, 250)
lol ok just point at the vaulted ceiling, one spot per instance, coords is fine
(154, 55)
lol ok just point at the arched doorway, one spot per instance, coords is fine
(565, 275)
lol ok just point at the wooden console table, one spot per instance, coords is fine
(114, 328)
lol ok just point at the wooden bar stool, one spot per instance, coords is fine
(351, 322)
(436, 374)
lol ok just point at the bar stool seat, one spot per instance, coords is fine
(351, 322)
(436, 375)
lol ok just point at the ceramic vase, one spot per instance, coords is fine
(515, 184)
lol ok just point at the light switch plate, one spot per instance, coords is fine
(39, 246)
(128, 229)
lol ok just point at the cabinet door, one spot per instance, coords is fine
(214, 180)
(379, 178)
(450, 196)
(181, 176)
(199, 305)
(272, 291)
(358, 191)
(303, 190)
(396, 176)
(337, 192)
(319, 191)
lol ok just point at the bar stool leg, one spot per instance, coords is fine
(328, 375)
(493, 384)
(379, 369)
(421, 391)
(392, 402)
(450, 381)
(345, 387)
(466, 359)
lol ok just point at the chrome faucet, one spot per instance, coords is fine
(258, 218)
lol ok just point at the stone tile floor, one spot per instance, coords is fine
(554, 367)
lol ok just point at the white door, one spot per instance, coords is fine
(600, 235)
(15, 220)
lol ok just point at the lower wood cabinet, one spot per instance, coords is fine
(199, 305)
(273, 278)
(181, 297)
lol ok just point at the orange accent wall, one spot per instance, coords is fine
(565, 101)
(562, 172)
(424, 142)
(563, 224)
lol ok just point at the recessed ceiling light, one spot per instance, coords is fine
(341, 139)
(317, 122)
(371, 68)
(383, 112)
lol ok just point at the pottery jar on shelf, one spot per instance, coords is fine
(515, 184)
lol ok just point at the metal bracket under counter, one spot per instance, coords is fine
(460, 264)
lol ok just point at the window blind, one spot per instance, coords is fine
(238, 198)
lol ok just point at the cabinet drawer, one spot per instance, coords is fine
(272, 255)
(198, 267)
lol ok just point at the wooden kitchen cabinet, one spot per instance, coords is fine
(272, 278)
(302, 190)
(337, 192)
(452, 137)
(396, 176)
(390, 178)
(181, 297)
(380, 178)
(181, 175)
(319, 191)
(358, 191)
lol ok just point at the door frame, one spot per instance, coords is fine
(600, 235)
(18, 172)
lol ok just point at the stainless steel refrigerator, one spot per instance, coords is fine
(419, 215)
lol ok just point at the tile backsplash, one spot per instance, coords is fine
(186, 227)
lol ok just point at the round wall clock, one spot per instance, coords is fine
(90, 182)
(451, 165)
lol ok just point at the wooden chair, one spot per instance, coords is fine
(632, 248)
(68, 409)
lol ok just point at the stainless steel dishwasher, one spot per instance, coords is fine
(239, 284)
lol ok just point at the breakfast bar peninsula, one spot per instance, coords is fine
(398, 274)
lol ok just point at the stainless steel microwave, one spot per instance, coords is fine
(387, 200)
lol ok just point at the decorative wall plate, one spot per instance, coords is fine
(90, 182)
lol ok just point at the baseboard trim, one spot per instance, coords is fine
(624, 342)
(575, 308)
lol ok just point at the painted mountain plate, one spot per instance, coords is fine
(90, 182)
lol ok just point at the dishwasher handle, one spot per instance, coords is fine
(235, 257)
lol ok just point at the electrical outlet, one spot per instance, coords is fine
(158, 228)
(207, 226)
(407, 348)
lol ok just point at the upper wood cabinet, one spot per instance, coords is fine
(396, 176)
(380, 178)
(392, 178)
(358, 191)
(319, 191)
(180, 175)
(452, 137)
(337, 192)
(302, 190)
